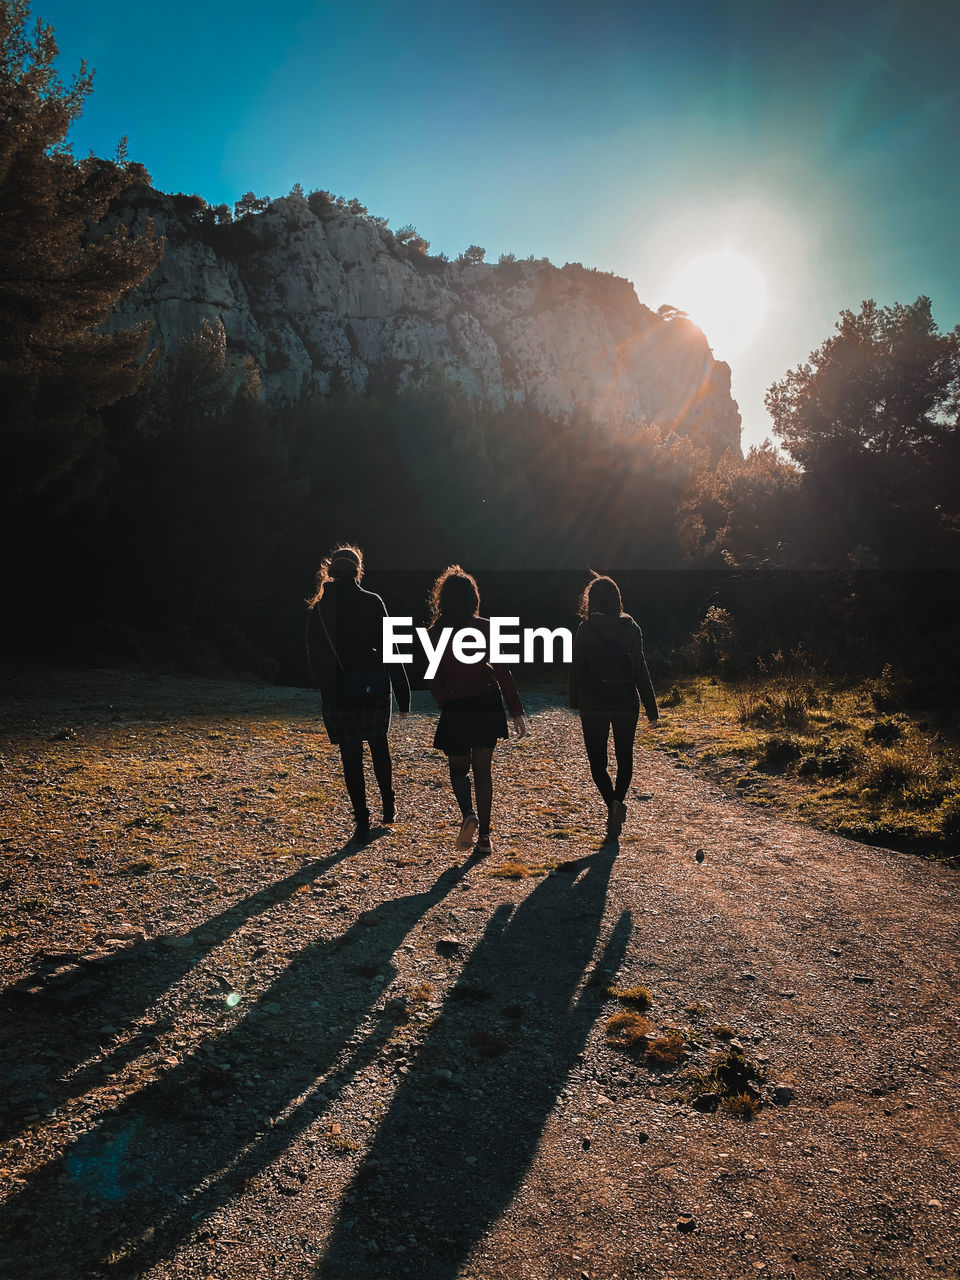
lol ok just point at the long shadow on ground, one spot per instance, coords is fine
(449, 1157)
(59, 1015)
(133, 1186)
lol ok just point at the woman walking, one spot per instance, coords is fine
(472, 720)
(608, 681)
(344, 639)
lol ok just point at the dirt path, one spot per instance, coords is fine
(235, 1047)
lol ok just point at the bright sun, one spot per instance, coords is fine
(724, 294)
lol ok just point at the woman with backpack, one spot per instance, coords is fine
(608, 681)
(344, 654)
(471, 706)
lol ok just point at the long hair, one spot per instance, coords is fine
(600, 595)
(344, 561)
(454, 597)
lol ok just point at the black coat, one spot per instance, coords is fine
(347, 624)
(599, 643)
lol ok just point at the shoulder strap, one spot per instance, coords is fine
(333, 648)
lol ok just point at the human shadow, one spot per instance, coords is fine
(452, 1151)
(58, 1016)
(134, 1185)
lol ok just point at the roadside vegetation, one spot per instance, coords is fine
(857, 757)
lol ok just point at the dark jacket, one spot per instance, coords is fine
(455, 679)
(609, 671)
(353, 619)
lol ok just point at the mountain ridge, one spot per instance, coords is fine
(322, 296)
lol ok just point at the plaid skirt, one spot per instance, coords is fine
(363, 722)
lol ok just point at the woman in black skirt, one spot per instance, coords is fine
(344, 639)
(608, 681)
(471, 707)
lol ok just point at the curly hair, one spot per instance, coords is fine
(344, 561)
(454, 596)
(600, 595)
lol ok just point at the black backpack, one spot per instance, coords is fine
(611, 664)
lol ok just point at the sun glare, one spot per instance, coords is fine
(724, 294)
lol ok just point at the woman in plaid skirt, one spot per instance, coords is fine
(344, 639)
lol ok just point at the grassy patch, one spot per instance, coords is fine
(668, 1049)
(845, 757)
(634, 997)
(731, 1077)
(744, 1105)
(514, 870)
(628, 1030)
(510, 871)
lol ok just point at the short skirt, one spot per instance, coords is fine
(357, 723)
(471, 722)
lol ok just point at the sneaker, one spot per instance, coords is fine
(389, 810)
(483, 847)
(467, 832)
(616, 815)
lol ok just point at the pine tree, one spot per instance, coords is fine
(62, 270)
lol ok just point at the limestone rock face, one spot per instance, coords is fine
(320, 296)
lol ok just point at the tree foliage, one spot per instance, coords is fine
(886, 383)
(62, 270)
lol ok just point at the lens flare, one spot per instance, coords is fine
(233, 999)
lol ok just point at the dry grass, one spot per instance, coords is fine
(668, 1049)
(628, 1030)
(744, 1105)
(635, 997)
(828, 754)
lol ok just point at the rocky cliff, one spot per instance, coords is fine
(320, 294)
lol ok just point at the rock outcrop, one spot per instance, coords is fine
(322, 295)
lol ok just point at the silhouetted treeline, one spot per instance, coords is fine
(199, 545)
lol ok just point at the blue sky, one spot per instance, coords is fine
(818, 139)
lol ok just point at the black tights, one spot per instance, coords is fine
(480, 759)
(596, 732)
(351, 756)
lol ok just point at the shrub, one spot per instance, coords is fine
(908, 773)
(884, 732)
(777, 752)
(831, 761)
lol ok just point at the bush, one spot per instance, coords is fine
(884, 732)
(777, 752)
(909, 774)
(831, 761)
